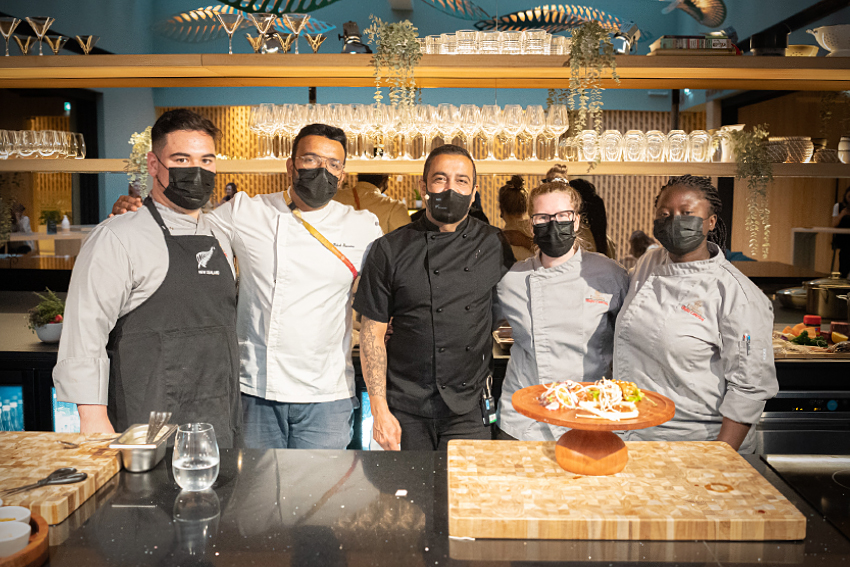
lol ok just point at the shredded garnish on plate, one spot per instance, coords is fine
(604, 399)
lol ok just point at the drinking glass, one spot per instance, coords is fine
(557, 122)
(449, 44)
(491, 125)
(611, 145)
(295, 23)
(68, 146)
(634, 146)
(230, 22)
(588, 145)
(425, 119)
(263, 21)
(87, 42)
(44, 143)
(656, 146)
(196, 457)
(24, 44)
(5, 146)
(535, 42)
(79, 146)
(470, 122)
(447, 121)
(7, 28)
(558, 45)
(433, 44)
(513, 123)
(28, 143)
(510, 42)
(13, 138)
(699, 146)
(196, 518)
(358, 123)
(465, 41)
(535, 123)
(719, 140)
(488, 42)
(315, 41)
(421, 42)
(56, 42)
(677, 146)
(39, 25)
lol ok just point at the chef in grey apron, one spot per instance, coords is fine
(178, 351)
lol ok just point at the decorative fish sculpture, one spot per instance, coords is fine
(463, 9)
(711, 13)
(552, 18)
(279, 6)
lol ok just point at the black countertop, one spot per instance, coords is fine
(330, 508)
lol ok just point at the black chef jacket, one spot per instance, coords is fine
(438, 289)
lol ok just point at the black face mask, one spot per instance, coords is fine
(189, 187)
(447, 207)
(316, 187)
(555, 238)
(679, 234)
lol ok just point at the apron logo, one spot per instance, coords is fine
(597, 297)
(695, 309)
(203, 259)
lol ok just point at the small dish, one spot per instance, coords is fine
(14, 514)
(801, 51)
(14, 536)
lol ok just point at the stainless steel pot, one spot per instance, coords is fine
(822, 296)
(847, 299)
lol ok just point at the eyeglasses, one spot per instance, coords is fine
(560, 216)
(312, 161)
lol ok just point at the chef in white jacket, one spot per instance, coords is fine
(561, 304)
(694, 328)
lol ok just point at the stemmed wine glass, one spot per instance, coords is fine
(87, 42)
(491, 125)
(535, 122)
(514, 122)
(557, 122)
(7, 28)
(447, 121)
(230, 23)
(425, 120)
(470, 122)
(39, 25)
(296, 23)
(358, 124)
(263, 21)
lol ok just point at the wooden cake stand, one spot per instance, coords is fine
(589, 447)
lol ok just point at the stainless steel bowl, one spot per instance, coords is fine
(138, 456)
(792, 298)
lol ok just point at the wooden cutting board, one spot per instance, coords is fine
(668, 491)
(28, 456)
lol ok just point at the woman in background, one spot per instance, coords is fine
(513, 205)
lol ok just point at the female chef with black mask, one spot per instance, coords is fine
(694, 328)
(561, 304)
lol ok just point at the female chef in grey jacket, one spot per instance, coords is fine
(694, 328)
(561, 304)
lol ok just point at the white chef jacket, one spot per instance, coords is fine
(294, 309)
(700, 334)
(122, 263)
(563, 328)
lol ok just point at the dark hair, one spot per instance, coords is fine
(376, 179)
(448, 149)
(639, 242)
(513, 198)
(180, 119)
(557, 171)
(323, 130)
(593, 213)
(709, 191)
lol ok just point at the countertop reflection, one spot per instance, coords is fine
(353, 508)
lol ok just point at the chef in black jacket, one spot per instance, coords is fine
(435, 280)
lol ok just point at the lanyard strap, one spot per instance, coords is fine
(356, 199)
(326, 243)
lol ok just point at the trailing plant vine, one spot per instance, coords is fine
(137, 163)
(397, 52)
(592, 52)
(756, 168)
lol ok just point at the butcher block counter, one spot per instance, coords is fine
(361, 508)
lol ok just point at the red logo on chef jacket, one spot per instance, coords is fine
(597, 298)
(203, 259)
(695, 309)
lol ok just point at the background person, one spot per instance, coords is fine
(368, 194)
(639, 243)
(694, 328)
(561, 304)
(594, 229)
(513, 206)
(21, 225)
(841, 242)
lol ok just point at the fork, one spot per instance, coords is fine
(155, 422)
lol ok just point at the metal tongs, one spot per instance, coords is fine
(67, 475)
(155, 423)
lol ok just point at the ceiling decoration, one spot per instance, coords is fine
(200, 25)
(463, 9)
(553, 19)
(711, 13)
(279, 6)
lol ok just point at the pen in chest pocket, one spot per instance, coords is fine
(747, 339)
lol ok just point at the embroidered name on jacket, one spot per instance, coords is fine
(203, 259)
(694, 309)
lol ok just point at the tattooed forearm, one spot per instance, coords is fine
(373, 353)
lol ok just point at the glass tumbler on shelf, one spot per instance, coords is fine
(611, 145)
(433, 44)
(196, 457)
(677, 146)
(535, 42)
(719, 139)
(510, 42)
(79, 146)
(699, 146)
(558, 45)
(588, 146)
(465, 40)
(656, 146)
(449, 44)
(634, 146)
(488, 42)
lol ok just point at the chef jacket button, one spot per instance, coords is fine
(443, 386)
(442, 349)
(463, 383)
(439, 309)
(466, 269)
(468, 348)
(464, 236)
(467, 307)
(437, 272)
(433, 237)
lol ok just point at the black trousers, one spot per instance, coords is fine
(431, 434)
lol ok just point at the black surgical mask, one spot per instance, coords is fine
(189, 187)
(316, 187)
(679, 234)
(555, 238)
(447, 207)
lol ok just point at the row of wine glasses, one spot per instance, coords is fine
(675, 146)
(264, 22)
(40, 25)
(521, 42)
(51, 144)
(384, 131)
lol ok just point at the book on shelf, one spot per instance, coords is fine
(691, 42)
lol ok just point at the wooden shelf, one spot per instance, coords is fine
(434, 71)
(484, 167)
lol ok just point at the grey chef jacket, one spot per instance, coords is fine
(563, 328)
(700, 334)
(120, 266)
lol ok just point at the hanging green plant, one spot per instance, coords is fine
(755, 166)
(137, 164)
(592, 52)
(397, 53)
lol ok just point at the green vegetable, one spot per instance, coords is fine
(594, 394)
(46, 311)
(805, 340)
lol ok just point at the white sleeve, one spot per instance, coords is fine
(221, 219)
(100, 286)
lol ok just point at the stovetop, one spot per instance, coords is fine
(823, 480)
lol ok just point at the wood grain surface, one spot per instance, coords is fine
(654, 410)
(35, 553)
(668, 491)
(28, 456)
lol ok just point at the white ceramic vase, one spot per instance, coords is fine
(49, 333)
